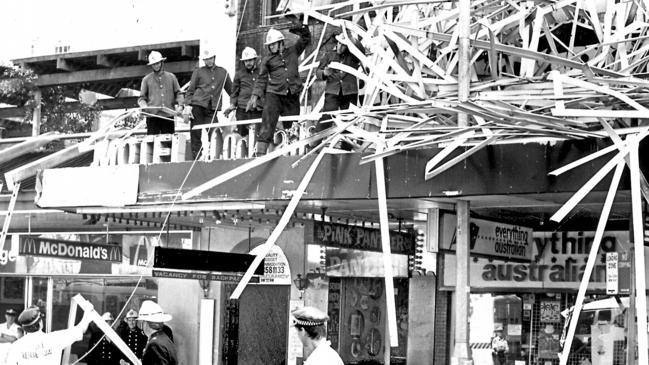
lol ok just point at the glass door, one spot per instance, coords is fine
(41, 290)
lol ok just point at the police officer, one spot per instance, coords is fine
(39, 348)
(311, 326)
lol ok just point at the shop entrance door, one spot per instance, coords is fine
(263, 325)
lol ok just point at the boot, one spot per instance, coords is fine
(260, 148)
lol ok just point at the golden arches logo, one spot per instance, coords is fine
(29, 246)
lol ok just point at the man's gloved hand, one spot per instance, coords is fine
(327, 71)
(252, 103)
(179, 110)
(187, 113)
(229, 110)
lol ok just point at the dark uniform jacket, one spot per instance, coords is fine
(242, 86)
(206, 85)
(338, 80)
(135, 339)
(278, 73)
(160, 350)
(105, 353)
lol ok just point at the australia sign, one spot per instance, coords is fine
(39, 246)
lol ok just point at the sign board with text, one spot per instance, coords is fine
(39, 246)
(489, 239)
(360, 238)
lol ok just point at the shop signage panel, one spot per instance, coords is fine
(276, 268)
(559, 261)
(194, 275)
(489, 239)
(360, 238)
(199, 260)
(39, 246)
(342, 262)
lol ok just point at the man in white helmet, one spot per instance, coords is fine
(244, 82)
(280, 82)
(159, 89)
(204, 96)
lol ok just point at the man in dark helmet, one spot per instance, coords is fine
(37, 347)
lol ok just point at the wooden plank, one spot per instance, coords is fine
(106, 328)
(279, 228)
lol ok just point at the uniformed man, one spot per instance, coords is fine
(102, 351)
(311, 326)
(160, 349)
(204, 96)
(279, 81)
(243, 84)
(39, 348)
(132, 335)
(160, 94)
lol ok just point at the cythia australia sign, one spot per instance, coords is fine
(38, 246)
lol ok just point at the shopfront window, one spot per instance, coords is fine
(107, 295)
(12, 293)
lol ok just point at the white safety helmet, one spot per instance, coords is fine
(155, 57)
(273, 36)
(208, 53)
(248, 54)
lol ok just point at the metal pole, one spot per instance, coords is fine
(462, 352)
(463, 73)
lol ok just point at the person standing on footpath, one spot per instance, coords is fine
(204, 96)
(160, 349)
(9, 332)
(132, 335)
(160, 89)
(499, 347)
(101, 350)
(279, 80)
(311, 326)
(243, 84)
(39, 348)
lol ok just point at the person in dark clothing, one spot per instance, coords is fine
(280, 82)
(160, 349)
(204, 96)
(341, 88)
(102, 349)
(132, 335)
(243, 84)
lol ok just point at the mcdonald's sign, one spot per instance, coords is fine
(39, 246)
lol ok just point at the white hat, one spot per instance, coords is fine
(155, 57)
(208, 53)
(151, 311)
(131, 314)
(341, 38)
(248, 54)
(107, 317)
(549, 329)
(273, 36)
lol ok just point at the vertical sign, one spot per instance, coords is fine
(624, 272)
(611, 273)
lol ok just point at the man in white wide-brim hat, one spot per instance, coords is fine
(160, 349)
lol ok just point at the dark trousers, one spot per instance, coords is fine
(274, 106)
(499, 358)
(242, 114)
(155, 125)
(201, 116)
(334, 102)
